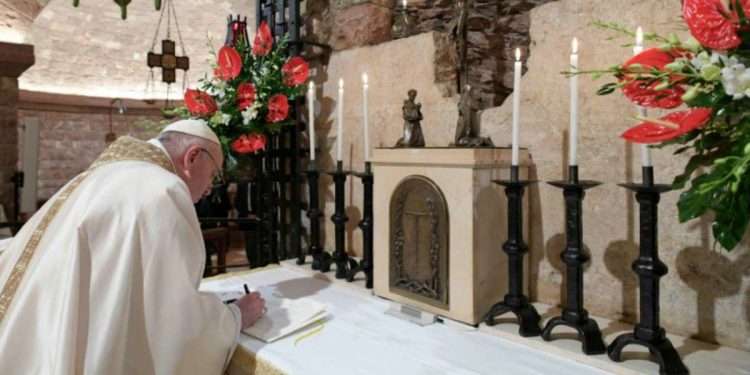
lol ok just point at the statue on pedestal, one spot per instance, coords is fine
(412, 112)
(467, 128)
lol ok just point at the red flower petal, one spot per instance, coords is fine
(246, 144)
(263, 40)
(278, 108)
(295, 71)
(640, 92)
(245, 95)
(257, 141)
(199, 103)
(230, 63)
(712, 24)
(653, 133)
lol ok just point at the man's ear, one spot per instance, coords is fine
(190, 157)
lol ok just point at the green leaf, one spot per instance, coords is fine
(691, 205)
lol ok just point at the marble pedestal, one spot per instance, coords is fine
(477, 265)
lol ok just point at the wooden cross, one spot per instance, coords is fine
(168, 61)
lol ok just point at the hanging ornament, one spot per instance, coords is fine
(167, 60)
(236, 31)
(123, 6)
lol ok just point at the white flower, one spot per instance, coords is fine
(225, 118)
(735, 78)
(700, 60)
(249, 113)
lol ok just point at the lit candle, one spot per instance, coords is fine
(364, 114)
(404, 3)
(516, 105)
(573, 140)
(340, 135)
(311, 118)
(638, 48)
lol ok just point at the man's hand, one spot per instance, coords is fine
(252, 306)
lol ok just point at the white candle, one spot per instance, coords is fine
(404, 3)
(340, 135)
(638, 48)
(573, 136)
(311, 118)
(364, 114)
(516, 106)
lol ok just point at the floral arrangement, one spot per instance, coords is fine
(709, 73)
(248, 96)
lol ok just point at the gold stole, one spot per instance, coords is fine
(123, 149)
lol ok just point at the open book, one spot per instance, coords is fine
(284, 315)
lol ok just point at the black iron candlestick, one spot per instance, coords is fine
(314, 214)
(339, 219)
(515, 301)
(574, 315)
(649, 269)
(366, 225)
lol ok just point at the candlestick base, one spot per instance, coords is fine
(515, 301)
(339, 219)
(366, 225)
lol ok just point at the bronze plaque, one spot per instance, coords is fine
(419, 242)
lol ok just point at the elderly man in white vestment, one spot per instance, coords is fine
(104, 278)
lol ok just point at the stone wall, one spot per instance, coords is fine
(706, 292)
(494, 29)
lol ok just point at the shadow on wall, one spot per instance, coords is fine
(535, 235)
(712, 275)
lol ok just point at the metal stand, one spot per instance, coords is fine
(515, 301)
(366, 225)
(339, 219)
(649, 269)
(314, 214)
(574, 315)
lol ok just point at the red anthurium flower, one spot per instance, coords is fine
(245, 95)
(263, 40)
(278, 108)
(668, 127)
(246, 144)
(200, 103)
(230, 63)
(640, 92)
(712, 24)
(295, 71)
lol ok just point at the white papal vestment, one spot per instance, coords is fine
(110, 287)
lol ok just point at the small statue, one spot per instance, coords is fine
(412, 112)
(467, 128)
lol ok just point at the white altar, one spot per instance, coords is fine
(359, 338)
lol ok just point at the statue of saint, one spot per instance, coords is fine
(412, 112)
(467, 128)
(457, 31)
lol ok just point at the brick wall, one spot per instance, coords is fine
(72, 132)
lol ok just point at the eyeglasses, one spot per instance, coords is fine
(218, 178)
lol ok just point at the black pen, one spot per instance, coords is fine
(247, 291)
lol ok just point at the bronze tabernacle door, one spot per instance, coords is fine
(419, 242)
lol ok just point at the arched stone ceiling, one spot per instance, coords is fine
(91, 51)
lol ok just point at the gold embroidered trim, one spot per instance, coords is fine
(129, 148)
(124, 148)
(16, 275)
(249, 363)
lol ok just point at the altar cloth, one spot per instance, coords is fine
(359, 338)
